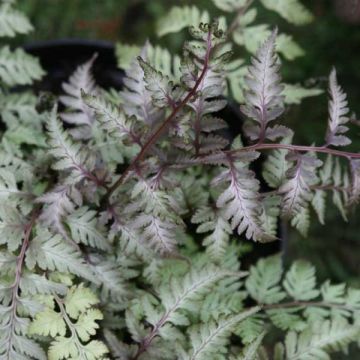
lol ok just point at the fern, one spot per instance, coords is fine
(315, 343)
(264, 99)
(18, 68)
(122, 230)
(338, 110)
(210, 340)
(78, 316)
(180, 18)
(69, 154)
(79, 114)
(13, 22)
(292, 10)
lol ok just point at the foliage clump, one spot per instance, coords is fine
(101, 202)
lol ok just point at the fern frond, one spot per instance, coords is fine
(291, 10)
(300, 281)
(263, 282)
(301, 221)
(81, 80)
(211, 339)
(136, 98)
(250, 352)
(275, 167)
(156, 233)
(180, 296)
(179, 18)
(338, 110)
(13, 21)
(51, 252)
(324, 337)
(297, 192)
(18, 68)
(240, 202)
(264, 102)
(213, 220)
(58, 203)
(85, 229)
(70, 155)
(12, 225)
(159, 86)
(77, 316)
(111, 119)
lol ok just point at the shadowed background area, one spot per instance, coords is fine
(331, 40)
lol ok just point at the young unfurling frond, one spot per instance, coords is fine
(337, 111)
(264, 102)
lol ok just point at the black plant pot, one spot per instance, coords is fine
(60, 58)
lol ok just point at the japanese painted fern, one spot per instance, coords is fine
(122, 230)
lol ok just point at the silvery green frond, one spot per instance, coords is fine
(120, 350)
(179, 18)
(156, 233)
(291, 10)
(275, 166)
(185, 293)
(12, 225)
(8, 186)
(129, 241)
(295, 93)
(77, 112)
(19, 108)
(111, 119)
(263, 100)
(58, 203)
(112, 277)
(300, 281)
(33, 284)
(337, 114)
(296, 189)
(71, 156)
(13, 21)
(85, 228)
(19, 347)
(240, 202)
(136, 98)
(270, 214)
(212, 220)
(229, 5)
(340, 179)
(159, 86)
(251, 350)
(355, 181)
(211, 339)
(263, 282)
(18, 68)
(301, 221)
(52, 252)
(320, 339)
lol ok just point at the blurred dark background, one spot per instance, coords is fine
(333, 39)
